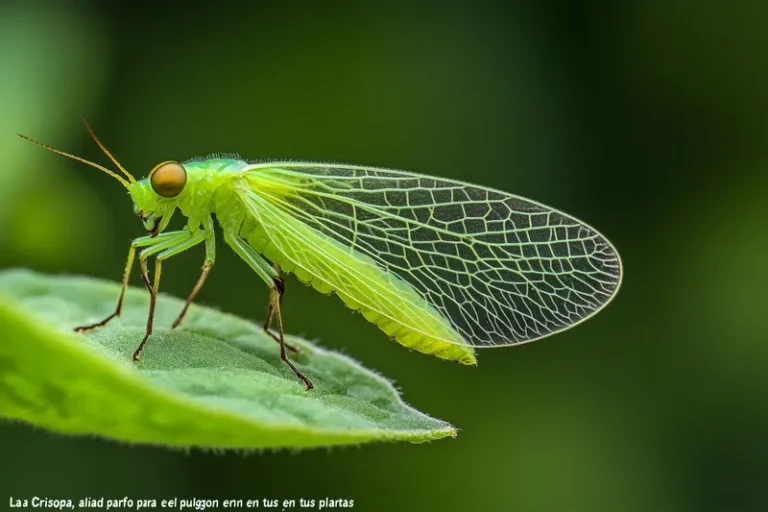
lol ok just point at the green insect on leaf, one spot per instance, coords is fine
(440, 265)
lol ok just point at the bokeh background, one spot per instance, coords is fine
(646, 119)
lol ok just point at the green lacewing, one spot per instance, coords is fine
(440, 265)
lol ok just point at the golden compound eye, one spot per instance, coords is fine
(168, 179)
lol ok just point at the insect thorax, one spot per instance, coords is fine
(210, 188)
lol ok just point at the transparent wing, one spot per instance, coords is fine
(501, 268)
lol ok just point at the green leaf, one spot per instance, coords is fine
(217, 381)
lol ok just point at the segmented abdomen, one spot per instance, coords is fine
(382, 297)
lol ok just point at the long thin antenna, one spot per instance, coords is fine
(105, 150)
(83, 160)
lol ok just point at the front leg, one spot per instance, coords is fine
(144, 241)
(184, 240)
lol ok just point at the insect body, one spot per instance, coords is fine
(441, 266)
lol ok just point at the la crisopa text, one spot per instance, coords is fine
(37, 502)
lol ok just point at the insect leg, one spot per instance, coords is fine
(275, 298)
(210, 257)
(272, 277)
(152, 300)
(139, 242)
(271, 311)
(183, 241)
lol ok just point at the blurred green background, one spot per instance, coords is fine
(645, 119)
